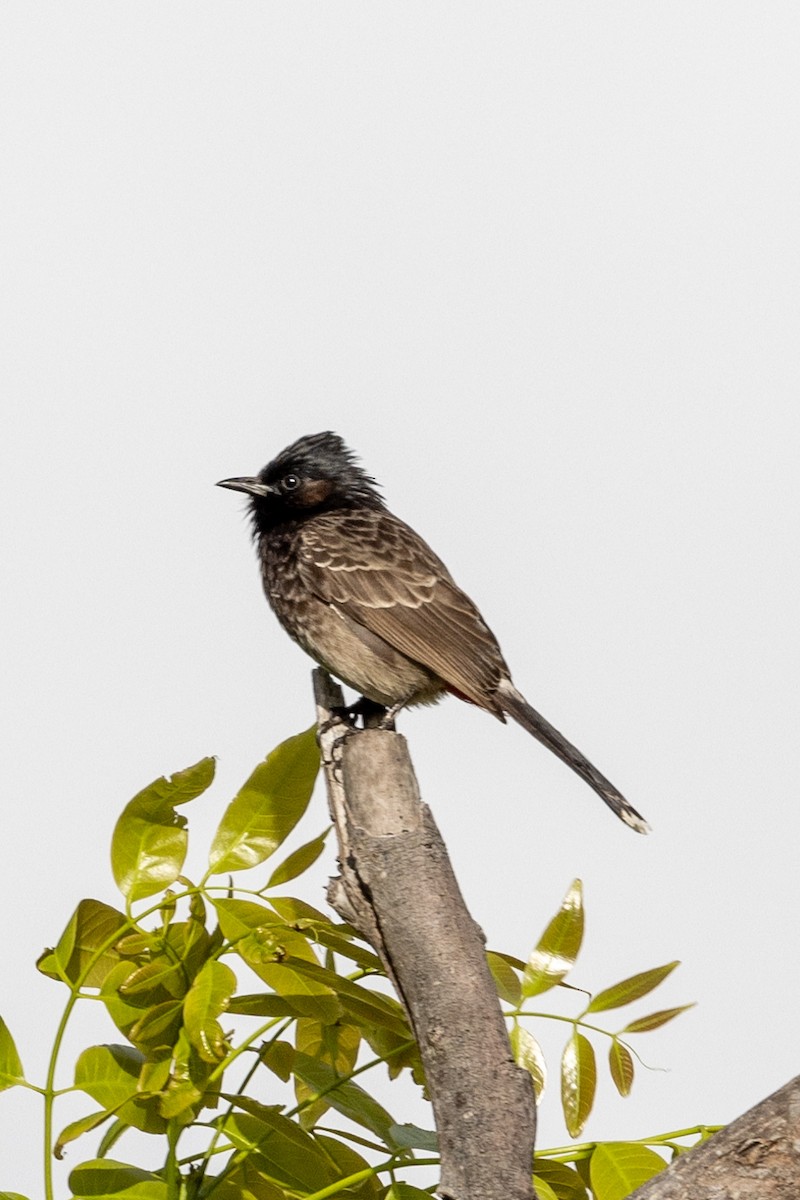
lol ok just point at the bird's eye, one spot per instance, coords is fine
(290, 483)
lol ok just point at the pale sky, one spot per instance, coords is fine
(538, 265)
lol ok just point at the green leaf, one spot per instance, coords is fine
(206, 999)
(110, 1075)
(620, 1062)
(149, 843)
(557, 949)
(528, 1054)
(412, 1137)
(286, 1154)
(505, 978)
(111, 1137)
(188, 1087)
(238, 918)
(406, 1191)
(542, 1190)
(262, 1004)
(278, 1056)
(298, 861)
(11, 1071)
(76, 1128)
(630, 989)
(244, 1182)
(336, 1046)
(348, 1162)
(295, 912)
(345, 1096)
(655, 1020)
(276, 953)
(563, 1181)
(12, 1196)
(268, 807)
(76, 958)
(158, 980)
(157, 1028)
(365, 1007)
(334, 936)
(104, 1179)
(619, 1168)
(578, 1082)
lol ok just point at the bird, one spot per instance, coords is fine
(370, 601)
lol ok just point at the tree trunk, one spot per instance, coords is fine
(398, 889)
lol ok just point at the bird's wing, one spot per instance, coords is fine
(381, 574)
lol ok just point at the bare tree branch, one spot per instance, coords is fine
(756, 1157)
(398, 888)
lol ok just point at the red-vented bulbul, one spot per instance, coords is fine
(366, 597)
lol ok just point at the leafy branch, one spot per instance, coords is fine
(193, 1071)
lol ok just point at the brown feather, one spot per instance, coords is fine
(380, 573)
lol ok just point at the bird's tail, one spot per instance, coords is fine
(515, 704)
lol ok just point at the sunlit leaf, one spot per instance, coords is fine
(655, 1020)
(506, 979)
(160, 979)
(154, 1074)
(334, 936)
(543, 1190)
(149, 843)
(77, 958)
(158, 1027)
(11, 1071)
(189, 1079)
(578, 1082)
(631, 989)
(12, 1196)
(296, 912)
(620, 1062)
(279, 956)
(207, 998)
(619, 1168)
(104, 1179)
(563, 1181)
(298, 861)
(110, 1075)
(237, 918)
(268, 806)
(77, 1128)
(557, 949)
(528, 1054)
(331, 938)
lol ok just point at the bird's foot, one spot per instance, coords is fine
(371, 713)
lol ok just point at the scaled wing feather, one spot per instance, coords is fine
(390, 581)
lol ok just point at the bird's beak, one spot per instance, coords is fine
(253, 486)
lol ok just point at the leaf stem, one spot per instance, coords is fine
(361, 1176)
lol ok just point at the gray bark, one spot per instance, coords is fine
(756, 1157)
(398, 889)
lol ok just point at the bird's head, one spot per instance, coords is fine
(316, 473)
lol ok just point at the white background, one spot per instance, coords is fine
(538, 264)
